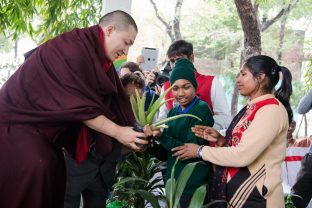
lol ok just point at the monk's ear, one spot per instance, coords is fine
(108, 30)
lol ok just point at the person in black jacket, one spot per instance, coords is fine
(302, 190)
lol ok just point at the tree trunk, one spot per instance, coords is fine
(252, 38)
(176, 21)
(172, 27)
(15, 48)
(281, 38)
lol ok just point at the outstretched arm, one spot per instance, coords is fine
(125, 135)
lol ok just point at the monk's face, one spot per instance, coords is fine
(117, 42)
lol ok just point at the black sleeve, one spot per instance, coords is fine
(303, 185)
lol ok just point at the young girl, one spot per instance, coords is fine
(179, 131)
(249, 162)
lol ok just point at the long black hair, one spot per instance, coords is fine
(267, 65)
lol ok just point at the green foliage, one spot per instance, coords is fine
(174, 188)
(288, 201)
(136, 181)
(216, 33)
(46, 19)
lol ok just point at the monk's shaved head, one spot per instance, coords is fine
(121, 20)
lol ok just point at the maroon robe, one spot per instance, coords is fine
(41, 108)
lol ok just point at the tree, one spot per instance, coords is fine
(173, 26)
(252, 38)
(43, 20)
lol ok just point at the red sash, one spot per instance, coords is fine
(83, 141)
(244, 123)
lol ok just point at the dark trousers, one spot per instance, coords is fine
(86, 181)
(303, 186)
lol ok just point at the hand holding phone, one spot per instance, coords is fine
(150, 58)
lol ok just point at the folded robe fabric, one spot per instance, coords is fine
(63, 82)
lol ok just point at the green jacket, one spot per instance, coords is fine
(178, 133)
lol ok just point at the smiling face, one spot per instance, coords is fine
(184, 92)
(248, 85)
(117, 42)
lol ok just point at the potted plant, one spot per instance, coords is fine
(137, 182)
(143, 117)
(174, 189)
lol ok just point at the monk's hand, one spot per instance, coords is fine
(130, 138)
(208, 133)
(186, 151)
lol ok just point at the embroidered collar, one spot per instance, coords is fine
(180, 111)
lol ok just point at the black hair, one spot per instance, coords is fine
(133, 67)
(180, 47)
(120, 19)
(268, 66)
(133, 79)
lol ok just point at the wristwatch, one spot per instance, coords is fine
(200, 151)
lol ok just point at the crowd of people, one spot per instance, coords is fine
(66, 121)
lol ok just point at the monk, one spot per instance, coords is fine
(66, 89)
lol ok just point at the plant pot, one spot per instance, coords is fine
(138, 128)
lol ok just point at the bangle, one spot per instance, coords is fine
(200, 151)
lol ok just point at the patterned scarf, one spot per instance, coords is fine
(218, 186)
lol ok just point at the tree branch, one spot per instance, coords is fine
(168, 27)
(176, 21)
(266, 24)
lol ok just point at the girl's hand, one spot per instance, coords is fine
(186, 151)
(148, 131)
(208, 133)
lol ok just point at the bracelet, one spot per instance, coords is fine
(200, 151)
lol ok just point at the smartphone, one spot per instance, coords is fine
(150, 58)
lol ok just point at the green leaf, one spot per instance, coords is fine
(141, 104)
(170, 189)
(182, 180)
(198, 197)
(149, 197)
(129, 179)
(150, 106)
(134, 107)
(163, 126)
(156, 105)
(163, 121)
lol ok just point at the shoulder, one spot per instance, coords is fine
(202, 109)
(273, 111)
(202, 104)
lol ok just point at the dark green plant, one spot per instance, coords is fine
(136, 183)
(288, 201)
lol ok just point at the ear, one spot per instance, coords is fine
(192, 58)
(261, 77)
(108, 30)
